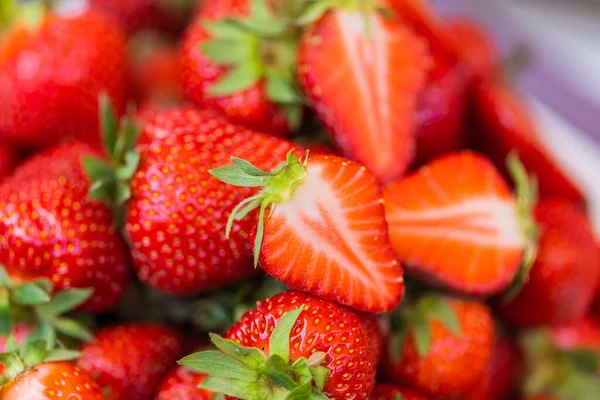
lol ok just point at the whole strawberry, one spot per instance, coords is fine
(360, 58)
(8, 160)
(50, 228)
(321, 229)
(386, 391)
(561, 285)
(182, 384)
(130, 360)
(238, 58)
(292, 344)
(442, 347)
(52, 69)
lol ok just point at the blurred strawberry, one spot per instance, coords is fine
(52, 69)
(561, 284)
(244, 70)
(8, 160)
(182, 384)
(581, 334)
(505, 125)
(386, 391)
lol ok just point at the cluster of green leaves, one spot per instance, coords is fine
(248, 374)
(35, 301)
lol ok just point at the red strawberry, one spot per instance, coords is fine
(373, 327)
(581, 334)
(324, 230)
(51, 73)
(50, 228)
(499, 380)
(182, 384)
(563, 279)
(8, 160)
(177, 213)
(505, 125)
(460, 205)
(476, 48)
(386, 391)
(378, 74)
(130, 360)
(19, 332)
(314, 345)
(446, 349)
(246, 70)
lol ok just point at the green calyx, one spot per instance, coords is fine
(34, 351)
(15, 12)
(259, 47)
(110, 180)
(526, 198)
(35, 301)
(416, 320)
(277, 187)
(559, 373)
(250, 374)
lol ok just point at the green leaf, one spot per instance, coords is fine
(130, 166)
(12, 364)
(29, 294)
(320, 375)
(64, 301)
(215, 363)
(584, 359)
(276, 369)
(97, 169)
(398, 396)
(44, 284)
(280, 88)
(422, 334)
(230, 52)
(301, 371)
(237, 80)
(130, 132)
(313, 12)
(248, 168)
(5, 315)
(302, 392)
(108, 124)
(61, 355)
(237, 214)
(233, 175)
(225, 30)
(123, 194)
(104, 190)
(294, 114)
(440, 310)
(279, 343)
(229, 387)
(249, 356)
(34, 352)
(71, 328)
(260, 231)
(43, 331)
(5, 281)
(11, 345)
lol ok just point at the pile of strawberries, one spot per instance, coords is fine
(281, 199)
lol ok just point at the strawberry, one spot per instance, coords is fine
(506, 125)
(375, 332)
(294, 344)
(386, 391)
(19, 331)
(476, 48)
(380, 68)
(499, 380)
(324, 230)
(443, 347)
(581, 334)
(130, 360)
(182, 384)
(238, 58)
(561, 284)
(8, 160)
(173, 194)
(50, 228)
(37, 371)
(52, 69)
(460, 205)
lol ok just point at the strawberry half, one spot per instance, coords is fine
(460, 205)
(321, 229)
(360, 60)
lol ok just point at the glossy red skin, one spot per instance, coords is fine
(386, 391)
(322, 326)
(49, 227)
(51, 82)
(441, 123)
(581, 334)
(178, 211)
(182, 384)
(501, 375)
(563, 279)
(131, 359)
(251, 107)
(454, 365)
(53, 381)
(8, 160)
(374, 331)
(476, 48)
(504, 125)
(136, 15)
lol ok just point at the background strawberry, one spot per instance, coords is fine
(130, 360)
(386, 391)
(182, 384)
(8, 160)
(75, 59)
(50, 228)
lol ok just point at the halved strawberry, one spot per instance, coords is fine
(363, 72)
(324, 231)
(455, 222)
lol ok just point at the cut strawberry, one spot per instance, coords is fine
(456, 223)
(325, 232)
(368, 99)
